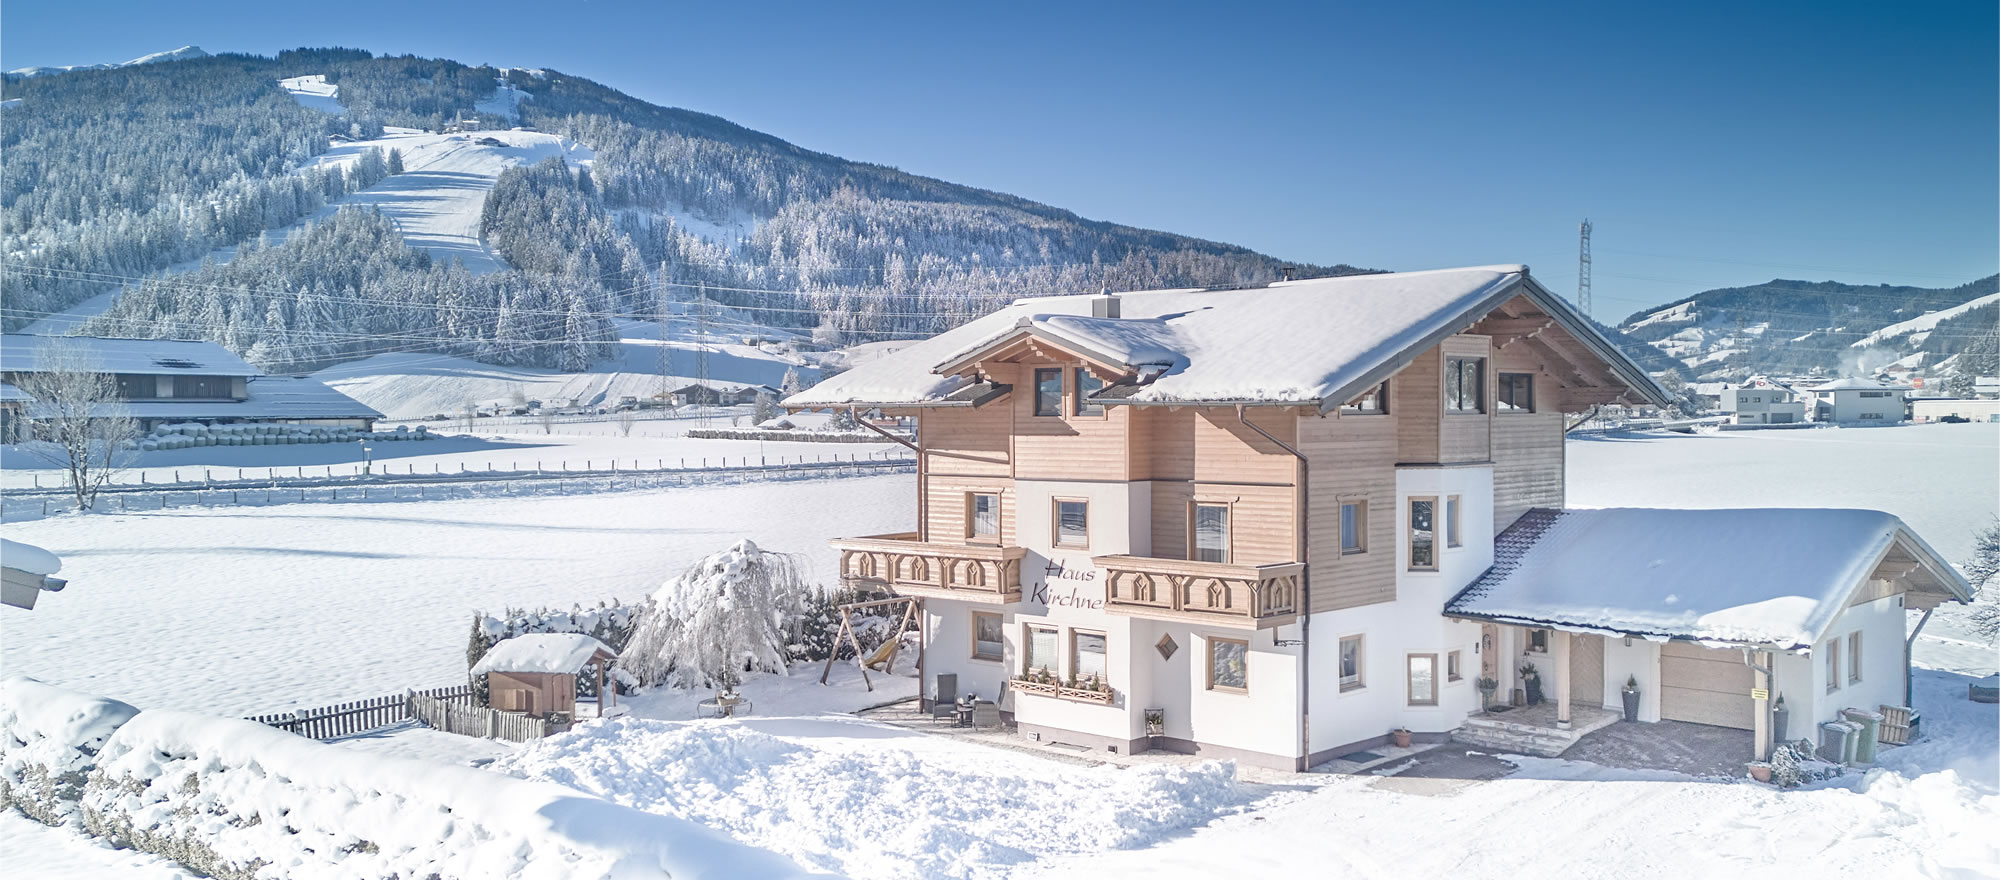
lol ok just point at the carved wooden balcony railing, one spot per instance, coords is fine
(971, 572)
(1214, 593)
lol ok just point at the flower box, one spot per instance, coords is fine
(1024, 686)
(1084, 695)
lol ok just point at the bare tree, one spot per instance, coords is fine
(469, 410)
(80, 421)
(625, 420)
(547, 416)
(1983, 570)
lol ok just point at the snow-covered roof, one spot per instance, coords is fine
(1853, 384)
(542, 652)
(1770, 577)
(22, 353)
(28, 558)
(300, 397)
(1321, 340)
(9, 392)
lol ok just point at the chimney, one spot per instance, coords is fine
(1104, 305)
(1285, 272)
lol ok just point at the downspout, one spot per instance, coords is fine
(1303, 550)
(1761, 748)
(1909, 649)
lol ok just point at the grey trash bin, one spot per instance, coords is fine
(1836, 741)
(1864, 739)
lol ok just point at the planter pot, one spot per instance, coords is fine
(1485, 698)
(1518, 698)
(1760, 771)
(1401, 737)
(1156, 722)
(1632, 706)
(1534, 690)
(1780, 719)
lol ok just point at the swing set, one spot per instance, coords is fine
(884, 657)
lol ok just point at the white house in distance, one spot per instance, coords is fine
(1853, 401)
(1763, 402)
(167, 381)
(1233, 522)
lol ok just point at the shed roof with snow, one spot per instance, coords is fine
(544, 653)
(1318, 341)
(22, 353)
(1769, 577)
(1851, 383)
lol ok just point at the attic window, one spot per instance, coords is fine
(176, 363)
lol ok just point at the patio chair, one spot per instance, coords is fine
(985, 714)
(944, 700)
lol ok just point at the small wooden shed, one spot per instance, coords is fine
(536, 674)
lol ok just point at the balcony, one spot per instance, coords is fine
(967, 572)
(1208, 593)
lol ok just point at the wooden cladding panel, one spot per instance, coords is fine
(1527, 447)
(977, 439)
(1261, 530)
(1353, 458)
(1209, 445)
(1417, 402)
(947, 507)
(1066, 447)
(1467, 436)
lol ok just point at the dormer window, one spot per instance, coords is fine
(1465, 385)
(1048, 392)
(1086, 385)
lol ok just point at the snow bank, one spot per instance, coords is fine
(49, 739)
(28, 558)
(235, 798)
(877, 802)
(541, 652)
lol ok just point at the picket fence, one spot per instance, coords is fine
(361, 716)
(469, 720)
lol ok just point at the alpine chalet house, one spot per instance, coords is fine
(1230, 522)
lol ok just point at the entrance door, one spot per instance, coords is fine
(1586, 670)
(1489, 651)
(1705, 686)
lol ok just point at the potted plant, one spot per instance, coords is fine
(1402, 737)
(1533, 681)
(1760, 771)
(1486, 688)
(1630, 694)
(1156, 722)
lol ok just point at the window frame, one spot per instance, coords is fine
(1541, 632)
(1212, 641)
(1061, 390)
(1502, 402)
(1410, 679)
(1075, 668)
(972, 518)
(1833, 664)
(1080, 407)
(1228, 536)
(1055, 522)
(1410, 533)
(1381, 395)
(1360, 681)
(1000, 657)
(1454, 379)
(1854, 657)
(1454, 666)
(1028, 631)
(1360, 506)
(1454, 508)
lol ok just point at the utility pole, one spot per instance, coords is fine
(1583, 268)
(663, 309)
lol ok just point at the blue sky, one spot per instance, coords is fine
(1712, 145)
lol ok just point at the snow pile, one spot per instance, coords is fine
(28, 558)
(542, 653)
(848, 796)
(231, 798)
(49, 740)
(188, 435)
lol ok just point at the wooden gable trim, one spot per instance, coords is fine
(1026, 347)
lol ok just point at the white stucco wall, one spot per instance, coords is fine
(1882, 626)
(1640, 659)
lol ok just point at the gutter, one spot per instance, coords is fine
(1304, 552)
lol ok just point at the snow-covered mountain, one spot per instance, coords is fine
(181, 54)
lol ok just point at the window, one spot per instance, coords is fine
(1072, 522)
(986, 640)
(1451, 508)
(1854, 657)
(1517, 393)
(1423, 679)
(201, 386)
(982, 516)
(1452, 667)
(1353, 527)
(1350, 663)
(1086, 385)
(1086, 656)
(1373, 403)
(1874, 394)
(1048, 392)
(1423, 534)
(1538, 641)
(1869, 416)
(1464, 385)
(137, 387)
(1210, 525)
(1832, 665)
(1041, 656)
(1229, 665)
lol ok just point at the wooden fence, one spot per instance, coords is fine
(361, 716)
(469, 720)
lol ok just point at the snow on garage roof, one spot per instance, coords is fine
(28, 558)
(1772, 577)
(542, 652)
(1320, 340)
(22, 353)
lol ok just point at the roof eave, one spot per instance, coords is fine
(1586, 332)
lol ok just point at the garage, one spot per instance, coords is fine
(1705, 686)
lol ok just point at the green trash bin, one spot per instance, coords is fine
(1870, 723)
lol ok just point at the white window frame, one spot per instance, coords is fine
(1360, 681)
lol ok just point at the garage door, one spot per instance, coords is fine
(1705, 686)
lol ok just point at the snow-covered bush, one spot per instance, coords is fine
(49, 741)
(728, 614)
(236, 799)
(1983, 570)
(608, 623)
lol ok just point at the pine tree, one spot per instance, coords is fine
(395, 161)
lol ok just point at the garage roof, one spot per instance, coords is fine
(1769, 577)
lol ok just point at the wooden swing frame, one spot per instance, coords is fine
(895, 642)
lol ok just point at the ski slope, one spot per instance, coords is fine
(315, 92)
(1924, 323)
